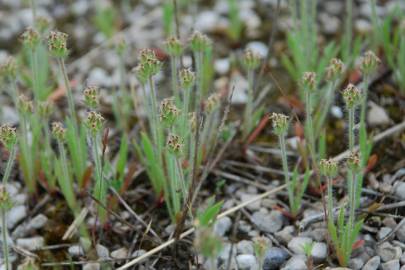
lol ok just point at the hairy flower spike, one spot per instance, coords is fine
(168, 111)
(174, 47)
(94, 122)
(328, 167)
(58, 131)
(335, 69)
(369, 62)
(354, 161)
(25, 105)
(8, 68)
(45, 109)
(8, 136)
(251, 60)
(212, 102)
(280, 123)
(148, 65)
(175, 144)
(351, 96)
(309, 80)
(57, 44)
(187, 78)
(199, 42)
(5, 200)
(91, 96)
(30, 38)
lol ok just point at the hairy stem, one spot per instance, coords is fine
(69, 93)
(249, 106)
(351, 128)
(310, 126)
(290, 188)
(9, 165)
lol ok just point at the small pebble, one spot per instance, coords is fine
(246, 261)
(31, 243)
(76, 251)
(222, 226)
(15, 215)
(319, 252)
(400, 190)
(102, 252)
(391, 265)
(91, 266)
(355, 263)
(245, 247)
(373, 263)
(297, 244)
(121, 253)
(270, 223)
(387, 252)
(285, 235)
(274, 258)
(297, 262)
(383, 232)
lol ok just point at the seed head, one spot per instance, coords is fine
(212, 102)
(168, 111)
(199, 42)
(42, 24)
(280, 123)
(174, 47)
(91, 96)
(94, 122)
(352, 96)
(120, 45)
(328, 167)
(8, 68)
(309, 80)
(260, 246)
(175, 144)
(58, 131)
(45, 109)
(335, 69)
(8, 136)
(30, 38)
(25, 105)
(354, 161)
(148, 65)
(187, 78)
(251, 60)
(5, 201)
(57, 44)
(369, 62)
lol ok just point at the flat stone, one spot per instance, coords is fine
(355, 263)
(387, 252)
(266, 222)
(252, 206)
(383, 232)
(31, 243)
(274, 258)
(15, 215)
(391, 265)
(297, 244)
(373, 263)
(297, 262)
(120, 253)
(246, 261)
(319, 252)
(245, 247)
(222, 226)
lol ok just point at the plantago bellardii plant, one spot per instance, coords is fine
(5, 205)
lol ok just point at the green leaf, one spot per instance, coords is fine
(207, 217)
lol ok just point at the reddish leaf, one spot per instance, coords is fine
(372, 161)
(354, 76)
(358, 244)
(86, 177)
(257, 130)
(299, 130)
(292, 102)
(284, 212)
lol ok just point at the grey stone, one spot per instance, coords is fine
(373, 263)
(138, 252)
(400, 190)
(355, 263)
(120, 253)
(383, 232)
(102, 252)
(222, 226)
(15, 215)
(297, 262)
(362, 26)
(91, 266)
(319, 252)
(285, 235)
(274, 258)
(377, 115)
(206, 21)
(387, 252)
(222, 66)
(391, 265)
(258, 47)
(297, 244)
(246, 262)
(266, 222)
(247, 197)
(402, 259)
(330, 24)
(76, 251)
(245, 247)
(31, 243)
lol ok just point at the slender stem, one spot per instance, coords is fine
(175, 89)
(14, 91)
(27, 155)
(34, 67)
(154, 111)
(290, 189)
(328, 99)
(310, 126)
(100, 189)
(330, 200)
(4, 237)
(364, 102)
(351, 128)
(249, 105)
(69, 93)
(68, 187)
(199, 80)
(9, 165)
